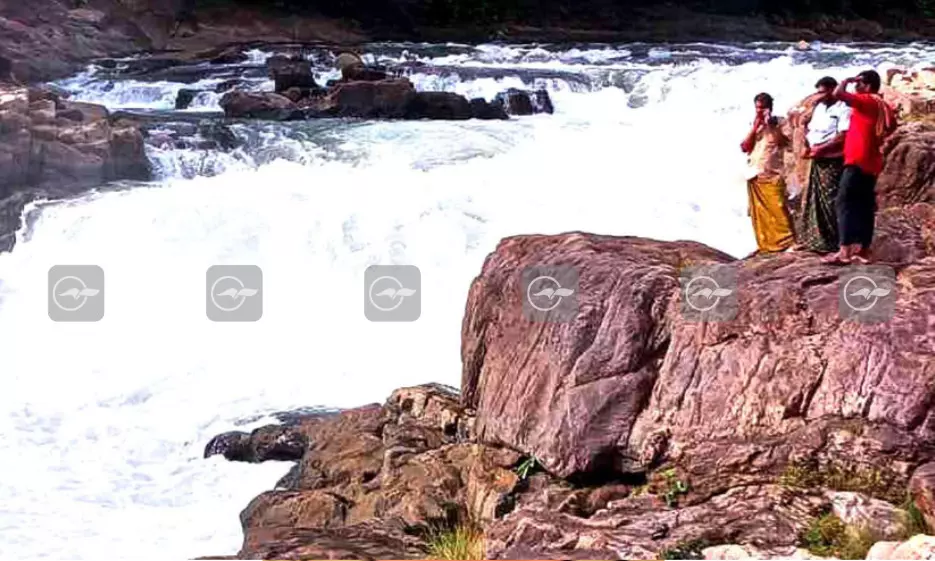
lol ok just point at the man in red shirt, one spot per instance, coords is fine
(871, 119)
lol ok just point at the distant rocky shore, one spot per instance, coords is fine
(634, 432)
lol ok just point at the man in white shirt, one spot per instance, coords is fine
(826, 128)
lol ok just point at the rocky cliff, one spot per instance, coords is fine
(635, 431)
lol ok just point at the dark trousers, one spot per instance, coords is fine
(856, 205)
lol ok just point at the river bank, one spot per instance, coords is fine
(52, 38)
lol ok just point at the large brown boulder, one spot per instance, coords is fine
(259, 105)
(569, 393)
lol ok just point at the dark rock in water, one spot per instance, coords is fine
(254, 105)
(388, 99)
(270, 443)
(439, 105)
(482, 109)
(364, 74)
(293, 74)
(227, 85)
(232, 57)
(234, 446)
(109, 63)
(542, 102)
(185, 97)
(520, 102)
(516, 102)
(220, 134)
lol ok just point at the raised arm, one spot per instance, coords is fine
(749, 141)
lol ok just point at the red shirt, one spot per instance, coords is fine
(861, 144)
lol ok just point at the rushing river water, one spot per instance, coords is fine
(102, 425)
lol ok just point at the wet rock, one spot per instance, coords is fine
(185, 97)
(482, 109)
(439, 105)
(521, 102)
(542, 102)
(253, 105)
(515, 102)
(276, 443)
(223, 137)
(387, 99)
(293, 74)
(364, 74)
(227, 85)
(234, 446)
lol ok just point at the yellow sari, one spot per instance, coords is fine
(772, 224)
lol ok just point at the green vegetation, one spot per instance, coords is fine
(674, 487)
(459, 543)
(875, 482)
(914, 522)
(828, 536)
(527, 467)
(689, 549)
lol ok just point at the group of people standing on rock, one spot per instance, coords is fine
(844, 143)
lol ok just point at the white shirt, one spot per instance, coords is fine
(827, 122)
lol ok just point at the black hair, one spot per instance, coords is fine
(765, 99)
(871, 78)
(826, 82)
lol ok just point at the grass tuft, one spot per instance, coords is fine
(689, 549)
(460, 543)
(913, 521)
(877, 483)
(829, 536)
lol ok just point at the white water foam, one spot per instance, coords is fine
(103, 424)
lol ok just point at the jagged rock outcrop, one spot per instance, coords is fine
(55, 147)
(407, 464)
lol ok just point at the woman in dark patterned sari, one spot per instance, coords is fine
(818, 228)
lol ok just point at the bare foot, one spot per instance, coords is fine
(836, 259)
